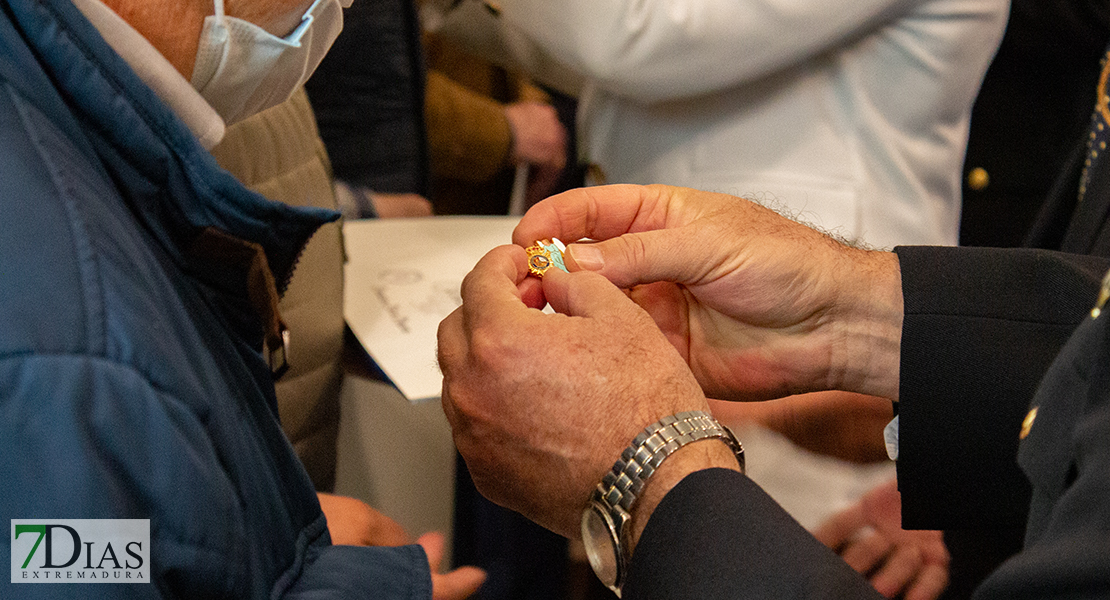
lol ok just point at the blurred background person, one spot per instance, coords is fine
(415, 127)
(854, 116)
(1030, 116)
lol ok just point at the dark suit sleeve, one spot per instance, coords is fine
(718, 535)
(981, 327)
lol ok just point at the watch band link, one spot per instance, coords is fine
(623, 484)
(614, 496)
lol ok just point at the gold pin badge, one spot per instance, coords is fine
(545, 254)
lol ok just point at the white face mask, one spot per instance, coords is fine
(242, 69)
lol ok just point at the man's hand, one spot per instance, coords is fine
(539, 140)
(759, 306)
(541, 405)
(352, 522)
(841, 424)
(870, 538)
(538, 136)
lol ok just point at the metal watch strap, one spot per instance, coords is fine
(620, 487)
(623, 484)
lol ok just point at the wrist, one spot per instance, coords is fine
(866, 351)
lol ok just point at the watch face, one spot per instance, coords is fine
(600, 539)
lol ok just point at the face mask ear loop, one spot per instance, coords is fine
(306, 21)
(219, 5)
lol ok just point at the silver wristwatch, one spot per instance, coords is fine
(605, 522)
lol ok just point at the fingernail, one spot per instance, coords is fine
(586, 257)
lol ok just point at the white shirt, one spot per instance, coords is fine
(853, 115)
(156, 72)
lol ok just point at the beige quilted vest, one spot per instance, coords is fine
(279, 154)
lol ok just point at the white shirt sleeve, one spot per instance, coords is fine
(890, 436)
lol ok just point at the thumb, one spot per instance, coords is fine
(636, 258)
(583, 294)
(457, 584)
(433, 544)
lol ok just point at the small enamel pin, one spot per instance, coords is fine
(545, 254)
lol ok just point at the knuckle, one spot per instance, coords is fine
(637, 250)
(491, 348)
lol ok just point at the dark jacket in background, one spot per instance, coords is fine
(368, 95)
(1034, 106)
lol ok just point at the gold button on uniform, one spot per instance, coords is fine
(978, 178)
(1027, 424)
(1103, 296)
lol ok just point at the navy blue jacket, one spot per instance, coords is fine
(131, 379)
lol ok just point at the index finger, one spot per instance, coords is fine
(599, 213)
(492, 289)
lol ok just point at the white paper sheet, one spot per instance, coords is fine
(402, 278)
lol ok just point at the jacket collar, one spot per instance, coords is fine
(156, 72)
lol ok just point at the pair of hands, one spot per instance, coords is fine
(352, 522)
(685, 293)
